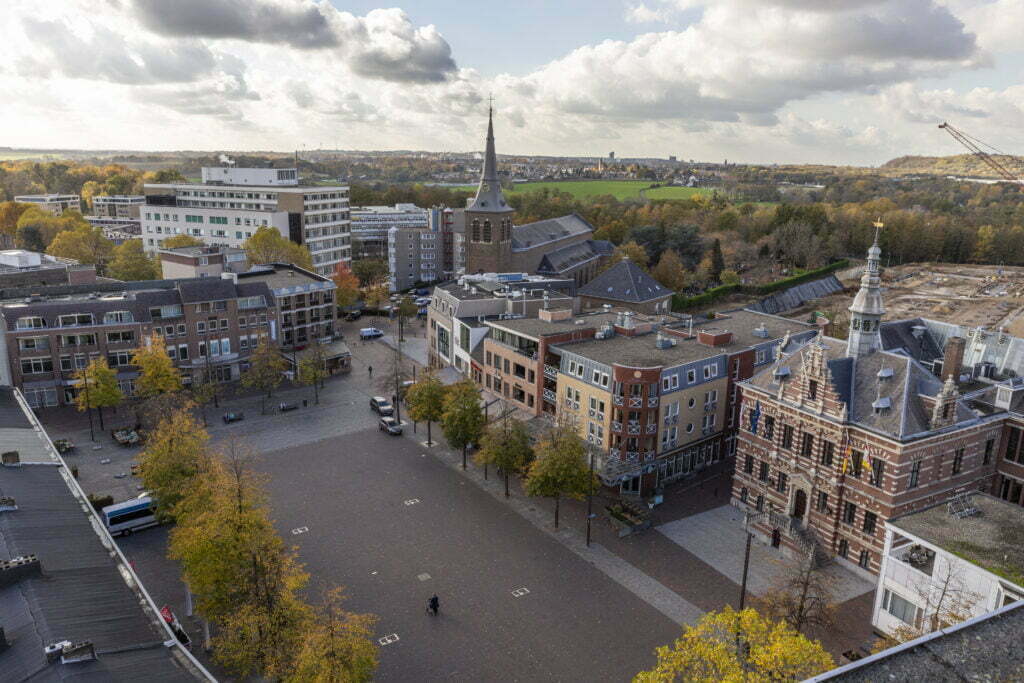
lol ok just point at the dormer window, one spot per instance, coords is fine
(812, 390)
(781, 373)
(881, 405)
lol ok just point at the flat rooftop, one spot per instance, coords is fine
(282, 277)
(535, 327)
(86, 591)
(203, 250)
(490, 289)
(993, 538)
(640, 351)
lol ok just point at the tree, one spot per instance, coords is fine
(337, 646)
(631, 250)
(803, 596)
(313, 370)
(717, 261)
(174, 456)
(245, 579)
(561, 467)
(84, 243)
(205, 389)
(98, 388)
(670, 271)
(10, 212)
(734, 647)
(506, 445)
(944, 600)
(729, 277)
(375, 295)
(426, 400)
(157, 374)
(266, 368)
(370, 270)
(181, 240)
(268, 245)
(130, 262)
(347, 292)
(37, 228)
(463, 419)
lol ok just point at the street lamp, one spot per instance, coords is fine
(590, 495)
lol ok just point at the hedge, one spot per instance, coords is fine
(682, 303)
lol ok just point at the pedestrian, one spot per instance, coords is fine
(433, 605)
(369, 369)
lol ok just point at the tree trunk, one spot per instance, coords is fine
(506, 483)
(316, 391)
(557, 500)
(100, 411)
(429, 441)
(463, 453)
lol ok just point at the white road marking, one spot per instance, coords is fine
(300, 530)
(388, 639)
(412, 501)
(520, 592)
(423, 577)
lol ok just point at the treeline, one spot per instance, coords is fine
(87, 180)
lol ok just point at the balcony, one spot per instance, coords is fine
(652, 401)
(595, 414)
(550, 396)
(917, 557)
(550, 371)
(572, 404)
(636, 402)
(633, 427)
(619, 400)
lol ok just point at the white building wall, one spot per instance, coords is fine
(161, 222)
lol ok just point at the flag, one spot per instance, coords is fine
(755, 416)
(846, 457)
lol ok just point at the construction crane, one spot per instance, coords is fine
(974, 145)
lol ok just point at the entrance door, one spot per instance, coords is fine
(776, 538)
(799, 504)
(631, 485)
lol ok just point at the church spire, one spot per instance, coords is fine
(489, 198)
(867, 309)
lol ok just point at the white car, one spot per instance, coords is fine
(370, 333)
(423, 301)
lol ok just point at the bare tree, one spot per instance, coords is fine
(945, 600)
(803, 596)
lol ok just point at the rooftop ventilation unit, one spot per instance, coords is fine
(761, 332)
(885, 373)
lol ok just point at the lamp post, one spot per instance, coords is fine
(746, 559)
(88, 403)
(590, 495)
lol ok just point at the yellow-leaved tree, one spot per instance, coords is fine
(98, 387)
(157, 374)
(268, 245)
(337, 646)
(735, 647)
(174, 456)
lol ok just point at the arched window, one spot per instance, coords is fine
(476, 230)
(487, 231)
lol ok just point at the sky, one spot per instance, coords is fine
(757, 81)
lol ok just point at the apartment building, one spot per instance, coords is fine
(232, 203)
(304, 301)
(371, 226)
(117, 230)
(451, 225)
(52, 203)
(653, 395)
(191, 262)
(458, 311)
(210, 325)
(841, 436)
(118, 205)
(961, 556)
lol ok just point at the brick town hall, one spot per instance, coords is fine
(839, 436)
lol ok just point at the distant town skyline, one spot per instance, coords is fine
(760, 81)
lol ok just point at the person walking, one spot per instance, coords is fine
(433, 605)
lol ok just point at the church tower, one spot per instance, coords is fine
(867, 309)
(489, 218)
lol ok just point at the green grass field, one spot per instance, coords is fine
(620, 189)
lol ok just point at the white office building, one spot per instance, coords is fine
(53, 203)
(231, 204)
(371, 225)
(118, 205)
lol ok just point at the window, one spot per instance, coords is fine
(849, 513)
(877, 472)
(30, 323)
(744, 494)
(787, 437)
(870, 520)
(182, 351)
(990, 446)
(710, 371)
(844, 548)
(821, 504)
(812, 390)
(31, 366)
(763, 473)
(864, 561)
(33, 344)
(780, 484)
(760, 357)
(117, 317)
(75, 319)
(958, 460)
(828, 450)
(1012, 441)
(904, 610)
(201, 327)
(769, 427)
(915, 474)
(65, 363)
(807, 445)
(760, 503)
(125, 336)
(117, 359)
(858, 463)
(691, 376)
(748, 465)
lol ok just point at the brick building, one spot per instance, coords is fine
(839, 436)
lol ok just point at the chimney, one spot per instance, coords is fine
(234, 276)
(10, 459)
(18, 568)
(714, 337)
(953, 357)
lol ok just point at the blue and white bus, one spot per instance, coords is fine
(131, 515)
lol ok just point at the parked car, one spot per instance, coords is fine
(285, 406)
(423, 291)
(354, 315)
(423, 301)
(390, 425)
(381, 406)
(370, 333)
(233, 417)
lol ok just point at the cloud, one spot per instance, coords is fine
(299, 23)
(342, 106)
(644, 14)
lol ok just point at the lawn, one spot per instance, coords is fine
(674, 192)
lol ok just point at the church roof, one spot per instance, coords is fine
(563, 258)
(489, 198)
(626, 282)
(533, 235)
(861, 382)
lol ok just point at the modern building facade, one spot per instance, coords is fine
(191, 262)
(231, 204)
(415, 257)
(371, 226)
(52, 203)
(118, 206)
(840, 436)
(304, 301)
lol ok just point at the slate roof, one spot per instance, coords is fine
(564, 258)
(899, 335)
(206, 289)
(798, 295)
(625, 282)
(857, 382)
(82, 594)
(531, 235)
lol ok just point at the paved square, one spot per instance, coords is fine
(717, 538)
